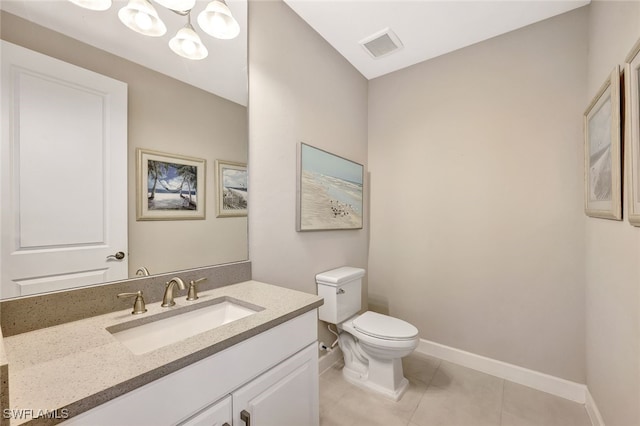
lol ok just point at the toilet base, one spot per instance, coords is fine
(362, 381)
(381, 375)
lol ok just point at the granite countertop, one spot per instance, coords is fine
(4, 382)
(73, 367)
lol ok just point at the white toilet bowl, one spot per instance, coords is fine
(373, 346)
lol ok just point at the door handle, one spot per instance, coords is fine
(118, 256)
(245, 416)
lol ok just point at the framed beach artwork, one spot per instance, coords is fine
(602, 151)
(329, 191)
(232, 189)
(169, 186)
(632, 140)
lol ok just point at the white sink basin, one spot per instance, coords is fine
(144, 336)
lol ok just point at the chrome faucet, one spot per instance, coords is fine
(167, 299)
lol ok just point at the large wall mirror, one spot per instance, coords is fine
(188, 109)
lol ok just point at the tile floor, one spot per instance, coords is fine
(444, 394)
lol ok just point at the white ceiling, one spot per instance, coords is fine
(427, 28)
(223, 72)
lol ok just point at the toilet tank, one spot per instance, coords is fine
(341, 289)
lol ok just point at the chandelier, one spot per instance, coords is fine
(140, 16)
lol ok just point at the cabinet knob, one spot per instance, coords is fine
(245, 416)
(226, 424)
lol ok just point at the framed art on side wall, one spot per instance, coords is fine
(602, 179)
(632, 139)
(169, 186)
(329, 191)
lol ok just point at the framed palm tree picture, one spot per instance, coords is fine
(169, 186)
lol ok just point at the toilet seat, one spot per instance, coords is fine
(384, 327)
(372, 337)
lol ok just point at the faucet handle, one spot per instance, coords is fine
(193, 291)
(138, 304)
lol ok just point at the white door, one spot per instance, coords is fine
(284, 395)
(63, 175)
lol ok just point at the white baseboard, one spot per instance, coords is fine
(592, 410)
(553, 385)
(328, 359)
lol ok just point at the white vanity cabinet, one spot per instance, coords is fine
(270, 379)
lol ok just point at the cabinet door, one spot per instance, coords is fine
(219, 414)
(284, 395)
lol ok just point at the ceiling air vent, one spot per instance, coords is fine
(382, 43)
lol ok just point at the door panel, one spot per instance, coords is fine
(64, 134)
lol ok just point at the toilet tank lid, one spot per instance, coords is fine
(339, 275)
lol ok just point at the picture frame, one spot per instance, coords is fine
(602, 165)
(329, 191)
(169, 186)
(232, 195)
(632, 133)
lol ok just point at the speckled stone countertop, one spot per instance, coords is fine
(4, 382)
(79, 365)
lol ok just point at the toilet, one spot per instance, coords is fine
(373, 344)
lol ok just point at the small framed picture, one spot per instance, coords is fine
(632, 151)
(329, 191)
(602, 169)
(169, 186)
(232, 189)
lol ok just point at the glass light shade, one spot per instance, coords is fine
(187, 44)
(142, 18)
(93, 4)
(179, 5)
(217, 21)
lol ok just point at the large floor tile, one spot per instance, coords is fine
(457, 406)
(333, 386)
(524, 406)
(420, 367)
(457, 378)
(444, 394)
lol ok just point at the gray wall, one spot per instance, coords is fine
(612, 249)
(170, 116)
(300, 90)
(476, 197)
